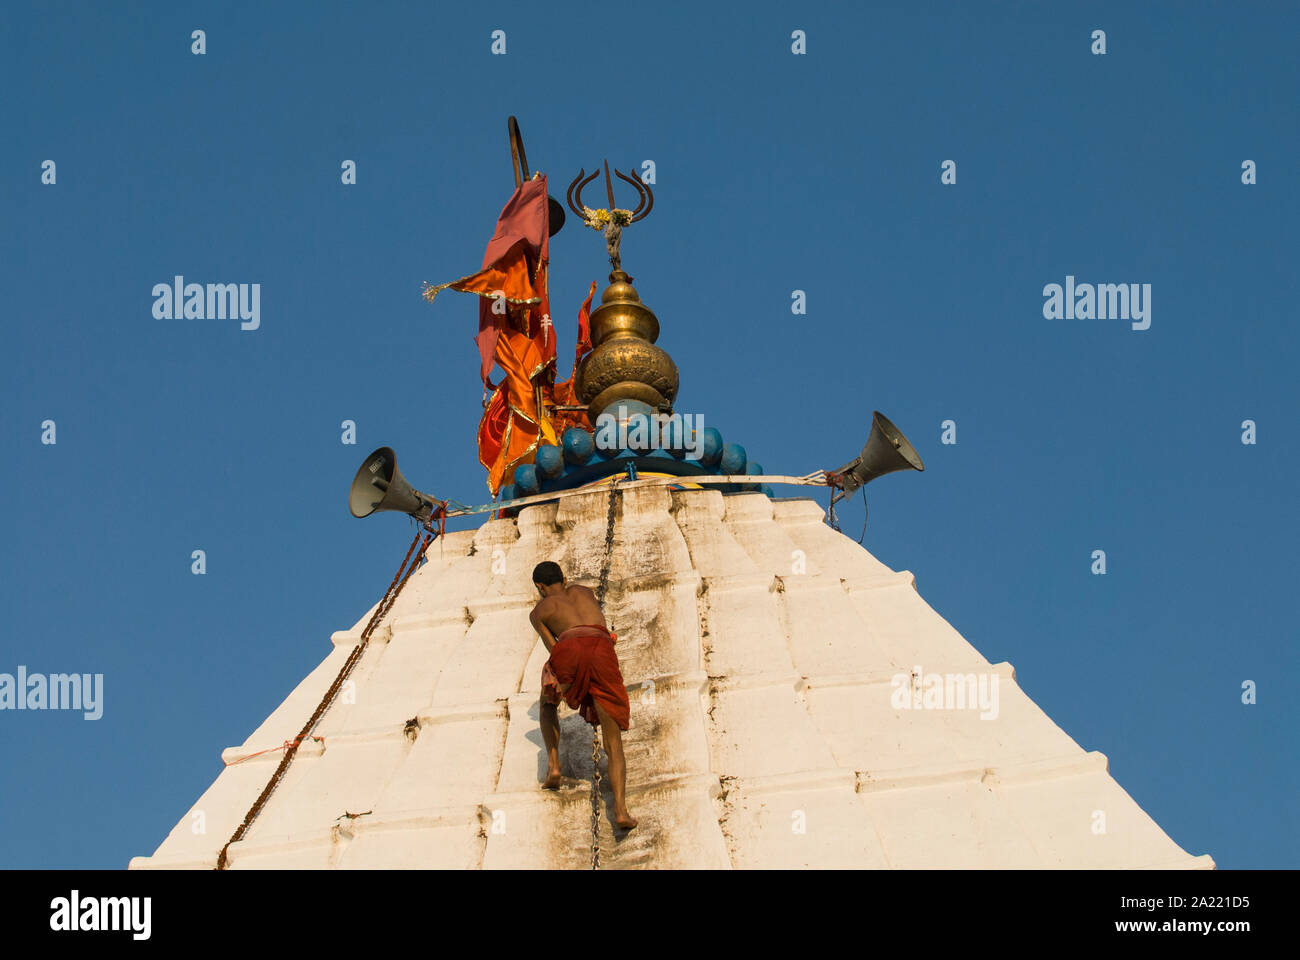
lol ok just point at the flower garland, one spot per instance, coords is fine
(601, 218)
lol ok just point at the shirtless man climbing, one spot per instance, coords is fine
(583, 670)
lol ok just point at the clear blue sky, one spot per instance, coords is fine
(775, 172)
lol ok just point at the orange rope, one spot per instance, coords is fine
(284, 746)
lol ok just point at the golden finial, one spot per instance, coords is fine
(624, 364)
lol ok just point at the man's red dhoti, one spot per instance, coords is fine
(584, 658)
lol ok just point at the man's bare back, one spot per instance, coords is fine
(573, 607)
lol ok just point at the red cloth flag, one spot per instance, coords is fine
(515, 332)
(514, 271)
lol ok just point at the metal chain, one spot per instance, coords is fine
(601, 589)
(603, 586)
(595, 801)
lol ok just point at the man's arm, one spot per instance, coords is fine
(542, 629)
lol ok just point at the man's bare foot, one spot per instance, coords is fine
(624, 820)
(552, 781)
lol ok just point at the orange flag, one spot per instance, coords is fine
(515, 333)
(514, 269)
(566, 393)
(511, 429)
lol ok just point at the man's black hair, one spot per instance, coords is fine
(547, 572)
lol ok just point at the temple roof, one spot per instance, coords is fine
(762, 652)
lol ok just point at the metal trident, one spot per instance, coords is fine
(613, 229)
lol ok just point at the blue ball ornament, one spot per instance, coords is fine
(578, 446)
(734, 458)
(550, 461)
(673, 437)
(712, 447)
(526, 481)
(638, 433)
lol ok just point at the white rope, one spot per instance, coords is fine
(817, 479)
